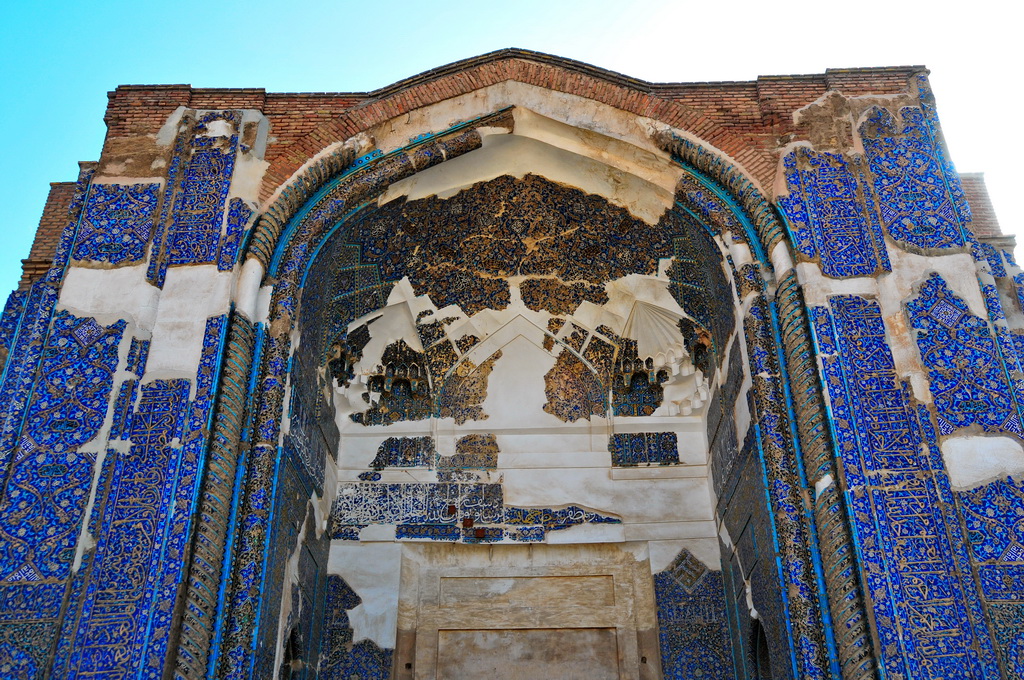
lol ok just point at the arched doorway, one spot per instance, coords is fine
(672, 358)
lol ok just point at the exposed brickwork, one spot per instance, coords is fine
(51, 225)
(743, 119)
(143, 109)
(983, 216)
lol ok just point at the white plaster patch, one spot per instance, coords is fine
(634, 500)
(586, 533)
(817, 288)
(167, 133)
(247, 287)
(662, 553)
(111, 294)
(373, 571)
(781, 259)
(248, 176)
(909, 271)
(517, 156)
(190, 296)
(821, 485)
(263, 304)
(707, 550)
(569, 109)
(126, 181)
(218, 128)
(515, 389)
(973, 461)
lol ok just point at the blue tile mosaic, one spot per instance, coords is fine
(900, 498)
(138, 354)
(968, 382)
(340, 657)
(22, 361)
(448, 511)
(992, 303)
(472, 451)
(831, 215)
(404, 452)
(696, 269)
(919, 194)
(47, 484)
(799, 588)
(692, 623)
(117, 223)
(636, 386)
(194, 236)
(13, 311)
(644, 448)
(118, 595)
(62, 254)
(988, 253)
(191, 224)
(994, 517)
(180, 507)
(952, 178)
(239, 215)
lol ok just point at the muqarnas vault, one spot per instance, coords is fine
(518, 368)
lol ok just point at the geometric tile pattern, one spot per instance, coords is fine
(117, 223)
(831, 214)
(906, 537)
(968, 381)
(692, 623)
(919, 199)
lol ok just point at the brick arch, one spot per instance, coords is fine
(557, 74)
(726, 182)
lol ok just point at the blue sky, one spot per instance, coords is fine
(58, 60)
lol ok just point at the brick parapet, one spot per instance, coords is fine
(742, 119)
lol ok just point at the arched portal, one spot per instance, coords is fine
(519, 362)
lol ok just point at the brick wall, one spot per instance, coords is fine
(754, 113)
(743, 119)
(984, 222)
(51, 226)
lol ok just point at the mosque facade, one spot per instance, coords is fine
(517, 368)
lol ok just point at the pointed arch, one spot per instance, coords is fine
(712, 189)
